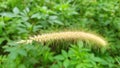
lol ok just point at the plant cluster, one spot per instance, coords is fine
(26, 18)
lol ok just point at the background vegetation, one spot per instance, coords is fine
(20, 19)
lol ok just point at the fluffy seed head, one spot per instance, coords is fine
(70, 35)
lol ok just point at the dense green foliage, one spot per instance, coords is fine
(24, 18)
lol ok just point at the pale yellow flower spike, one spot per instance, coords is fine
(66, 36)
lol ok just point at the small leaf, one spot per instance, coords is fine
(64, 53)
(37, 15)
(16, 10)
(78, 66)
(97, 59)
(22, 52)
(22, 30)
(66, 63)
(26, 10)
(59, 57)
(25, 18)
(13, 55)
(58, 22)
(52, 17)
(1, 26)
(1, 40)
(21, 66)
(80, 44)
(7, 14)
(36, 28)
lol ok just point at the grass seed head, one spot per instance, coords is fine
(73, 35)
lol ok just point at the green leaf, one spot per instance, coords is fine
(66, 63)
(59, 57)
(64, 53)
(7, 14)
(36, 28)
(1, 40)
(99, 60)
(21, 66)
(78, 66)
(58, 22)
(36, 15)
(22, 52)
(16, 10)
(80, 44)
(2, 24)
(53, 17)
(13, 55)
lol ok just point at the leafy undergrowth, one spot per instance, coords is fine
(36, 55)
(25, 18)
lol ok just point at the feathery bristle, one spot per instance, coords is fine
(66, 36)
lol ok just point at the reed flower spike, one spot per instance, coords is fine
(70, 35)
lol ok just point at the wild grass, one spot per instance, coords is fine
(68, 35)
